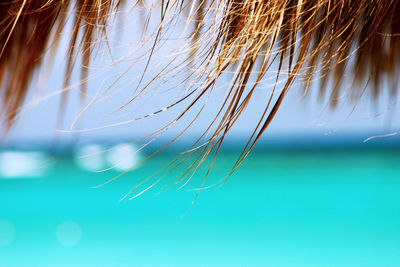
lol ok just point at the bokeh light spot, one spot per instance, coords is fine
(69, 233)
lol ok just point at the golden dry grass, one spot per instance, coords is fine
(307, 39)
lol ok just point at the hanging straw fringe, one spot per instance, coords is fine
(307, 39)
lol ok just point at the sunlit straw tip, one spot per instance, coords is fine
(381, 136)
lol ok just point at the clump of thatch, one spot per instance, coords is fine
(308, 39)
(314, 37)
(28, 27)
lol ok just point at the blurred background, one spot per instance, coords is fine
(317, 190)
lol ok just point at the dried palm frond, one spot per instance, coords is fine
(307, 39)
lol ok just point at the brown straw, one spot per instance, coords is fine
(308, 40)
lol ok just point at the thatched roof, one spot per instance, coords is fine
(308, 39)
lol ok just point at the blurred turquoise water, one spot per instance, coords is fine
(299, 207)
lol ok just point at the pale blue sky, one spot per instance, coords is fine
(298, 116)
